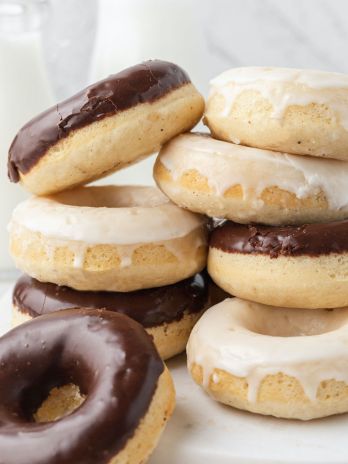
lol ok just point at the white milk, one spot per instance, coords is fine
(24, 92)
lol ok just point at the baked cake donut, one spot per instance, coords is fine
(105, 127)
(107, 238)
(281, 362)
(244, 184)
(294, 266)
(168, 313)
(81, 386)
(304, 112)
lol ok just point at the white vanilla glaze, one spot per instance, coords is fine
(285, 87)
(225, 165)
(120, 215)
(251, 341)
(180, 249)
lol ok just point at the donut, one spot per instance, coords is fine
(167, 313)
(113, 238)
(123, 392)
(294, 266)
(105, 127)
(297, 111)
(246, 184)
(274, 361)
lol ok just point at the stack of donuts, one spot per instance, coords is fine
(114, 275)
(275, 170)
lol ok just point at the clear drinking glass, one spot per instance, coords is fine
(24, 92)
(45, 52)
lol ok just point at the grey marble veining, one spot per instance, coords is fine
(294, 33)
(204, 36)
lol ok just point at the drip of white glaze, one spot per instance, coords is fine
(182, 248)
(252, 341)
(125, 254)
(225, 165)
(183, 251)
(79, 255)
(284, 87)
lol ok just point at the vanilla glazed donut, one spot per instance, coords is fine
(303, 112)
(296, 267)
(275, 361)
(107, 238)
(105, 127)
(167, 313)
(81, 386)
(244, 184)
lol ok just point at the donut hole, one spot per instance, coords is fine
(61, 402)
(291, 322)
(54, 394)
(110, 196)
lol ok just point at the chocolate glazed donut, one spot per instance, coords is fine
(150, 307)
(146, 82)
(284, 266)
(112, 360)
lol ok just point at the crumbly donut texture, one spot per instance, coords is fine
(274, 361)
(246, 185)
(289, 281)
(171, 338)
(60, 402)
(295, 111)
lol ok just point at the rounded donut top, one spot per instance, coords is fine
(251, 340)
(143, 83)
(225, 165)
(150, 307)
(309, 239)
(284, 87)
(107, 355)
(312, 78)
(117, 215)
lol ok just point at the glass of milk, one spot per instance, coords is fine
(24, 92)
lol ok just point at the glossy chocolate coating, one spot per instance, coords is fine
(143, 83)
(108, 355)
(150, 307)
(309, 239)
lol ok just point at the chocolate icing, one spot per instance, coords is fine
(150, 307)
(308, 239)
(143, 83)
(108, 355)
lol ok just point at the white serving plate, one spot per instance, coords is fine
(202, 431)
